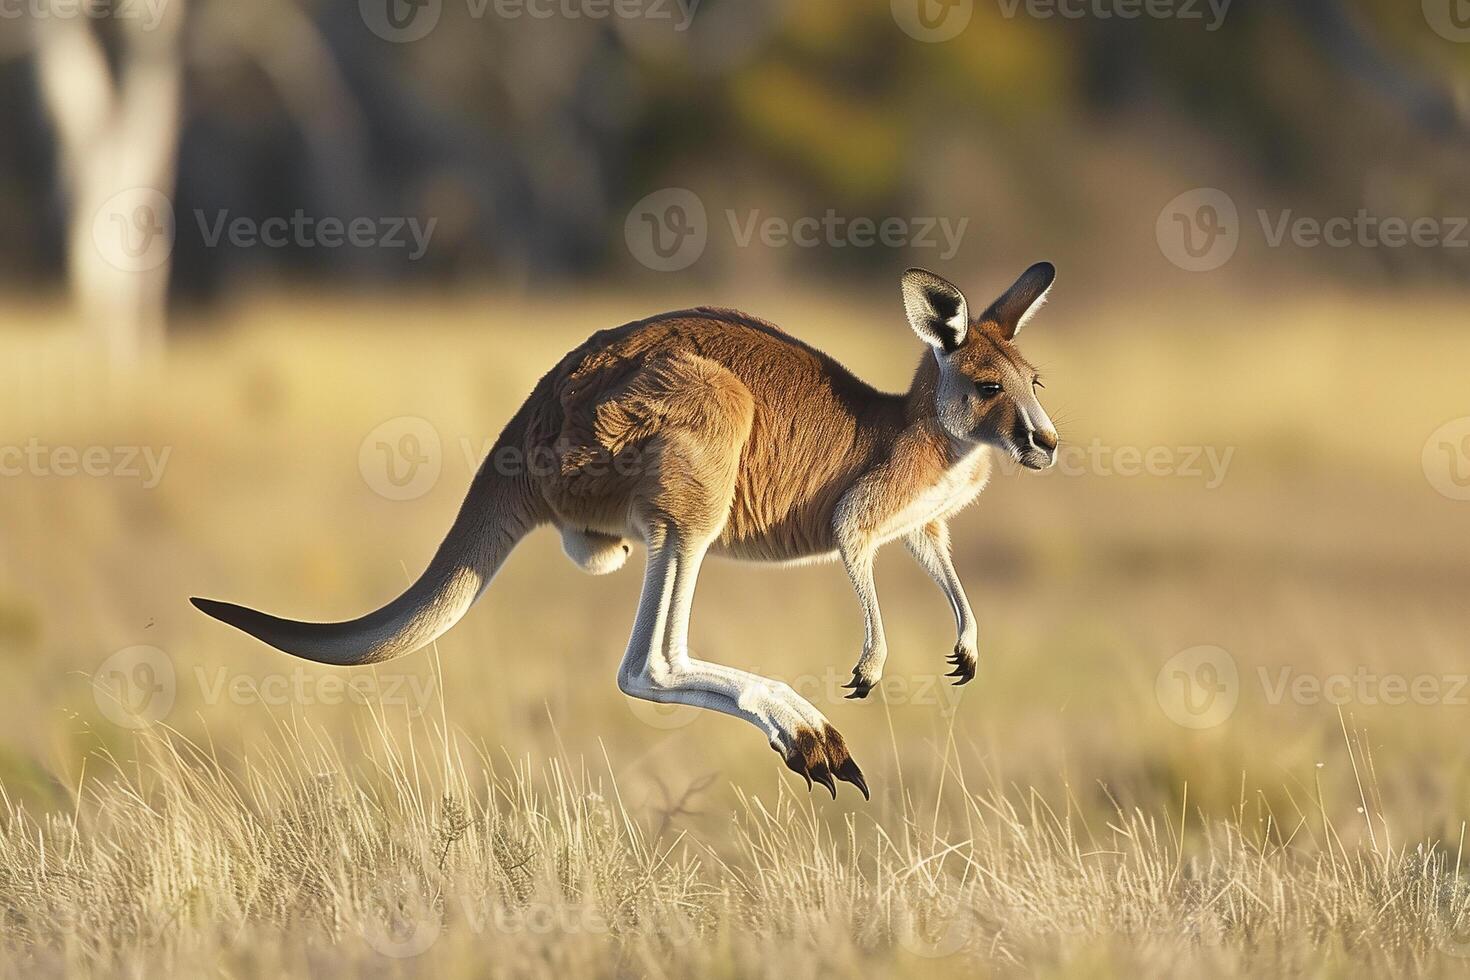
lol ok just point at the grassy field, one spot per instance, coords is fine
(1219, 726)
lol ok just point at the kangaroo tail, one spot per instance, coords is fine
(496, 513)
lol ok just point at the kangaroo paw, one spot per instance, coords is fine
(963, 660)
(819, 756)
(861, 685)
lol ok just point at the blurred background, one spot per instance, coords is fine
(527, 129)
(272, 275)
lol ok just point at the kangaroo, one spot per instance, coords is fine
(707, 431)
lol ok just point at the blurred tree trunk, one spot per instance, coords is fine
(117, 132)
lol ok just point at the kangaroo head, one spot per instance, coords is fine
(986, 391)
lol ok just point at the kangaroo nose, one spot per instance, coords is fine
(1045, 440)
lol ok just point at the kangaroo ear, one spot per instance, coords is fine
(936, 309)
(1021, 302)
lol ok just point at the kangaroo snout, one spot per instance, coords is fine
(1040, 450)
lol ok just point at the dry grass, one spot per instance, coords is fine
(404, 859)
(499, 804)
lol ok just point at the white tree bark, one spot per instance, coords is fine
(118, 141)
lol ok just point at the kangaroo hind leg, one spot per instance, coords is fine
(682, 505)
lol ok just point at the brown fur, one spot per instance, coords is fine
(805, 428)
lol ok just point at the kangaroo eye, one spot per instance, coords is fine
(1037, 383)
(987, 389)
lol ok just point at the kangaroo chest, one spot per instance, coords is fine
(946, 493)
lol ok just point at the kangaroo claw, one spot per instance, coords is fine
(818, 756)
(964, 665)
(860, 686)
